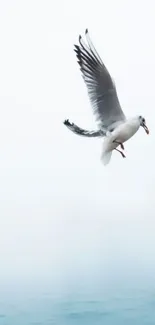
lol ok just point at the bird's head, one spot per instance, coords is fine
(143, 124)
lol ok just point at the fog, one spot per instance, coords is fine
(62, 213)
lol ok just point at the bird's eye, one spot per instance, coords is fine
(143, 120)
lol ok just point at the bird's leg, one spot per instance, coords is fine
(123, 155)
(121, 144)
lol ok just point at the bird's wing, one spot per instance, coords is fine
(76, 129)
(100, 86)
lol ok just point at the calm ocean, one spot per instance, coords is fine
(119, 305)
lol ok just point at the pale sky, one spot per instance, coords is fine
(61, 210)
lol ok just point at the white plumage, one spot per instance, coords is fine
(121, 134)
(114, 126)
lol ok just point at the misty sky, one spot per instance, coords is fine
(61, 210)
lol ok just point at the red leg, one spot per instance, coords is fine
(121, 144)
(123, 155)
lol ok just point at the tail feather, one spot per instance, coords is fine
(76, 129)
(105, 157)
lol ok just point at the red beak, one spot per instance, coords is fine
(146, 128)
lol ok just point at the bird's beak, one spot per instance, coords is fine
(145, 128)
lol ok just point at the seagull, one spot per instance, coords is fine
(113, 125)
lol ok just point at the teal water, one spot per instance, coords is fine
(124, 307)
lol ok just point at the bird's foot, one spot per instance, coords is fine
(123, 155)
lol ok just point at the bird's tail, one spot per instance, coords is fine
(105, 157)
(106, 150)
(77, 130)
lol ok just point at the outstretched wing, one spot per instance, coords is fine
(100, 86)
(76, 129)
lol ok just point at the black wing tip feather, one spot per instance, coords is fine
(86, 58)
(66, 122)
(78, 53)
(80, 37)
(76, 47)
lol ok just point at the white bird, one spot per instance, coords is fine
(113, 124)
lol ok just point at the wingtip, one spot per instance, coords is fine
(76, 48)
(66, 122)
(80, 38)
(86, 31)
